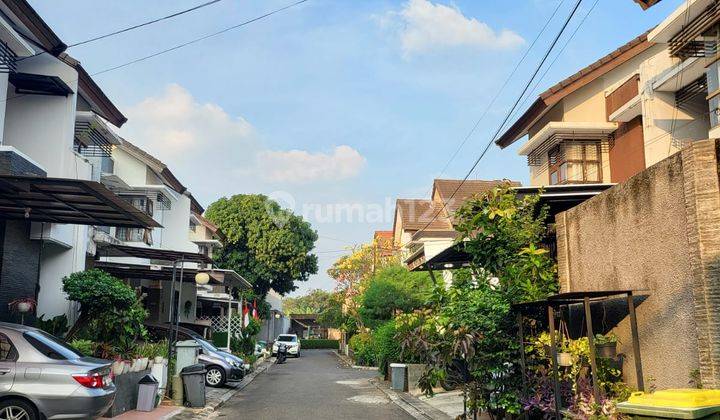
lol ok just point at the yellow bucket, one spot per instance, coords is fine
(677, 398)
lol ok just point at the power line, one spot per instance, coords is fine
(193, 41)
(130, 28)
(509, 113)
(497, 95)
(202, 38)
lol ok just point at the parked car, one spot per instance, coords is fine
(43, 377)
(291, 341)
(221, 366)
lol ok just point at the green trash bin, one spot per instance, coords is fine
(673, 404)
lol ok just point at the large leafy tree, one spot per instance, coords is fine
(268, 245)
(393, 289)
(314, 302)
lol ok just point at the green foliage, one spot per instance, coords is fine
(362, 346)
(390, 290)
(314, 302)
(319, 344)
(332, 315)
(219, 338)
(266, 244)
(601, 339)
(152, 350)
(86, 347)
(386, 347)
(245, 344)
(56, 326)
(110, 311)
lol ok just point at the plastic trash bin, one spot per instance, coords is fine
(147, 393)
(193, 378)
(399, 376)
(673, 404)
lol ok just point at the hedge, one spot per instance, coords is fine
(319, 344)
(219, 339)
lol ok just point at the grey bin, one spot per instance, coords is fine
(147, 393)
(193, 378)
(399, 376)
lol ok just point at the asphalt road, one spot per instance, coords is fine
(312, 387)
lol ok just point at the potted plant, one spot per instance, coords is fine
(606, 345)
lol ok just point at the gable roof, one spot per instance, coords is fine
(416, 213)
(45, 36)
(557, 92)
(157, 165)
(465, 190)
(212, 227)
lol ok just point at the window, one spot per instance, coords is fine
(575, 162)
(140, 202)
(193, 226)
(134, 235)
(7, 350)
(287, 338)
(50, 346)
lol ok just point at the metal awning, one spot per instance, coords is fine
(151, 272)
(71, 201)
(165, 273)
(39, 84)
(115, 250)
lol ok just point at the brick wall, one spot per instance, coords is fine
(18, 266)
(12, 163)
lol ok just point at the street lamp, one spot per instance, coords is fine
(277, 315)
(202, 278)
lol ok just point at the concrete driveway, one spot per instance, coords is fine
(311, 387)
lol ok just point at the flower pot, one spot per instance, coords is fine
(117, 367)
(606, 350)
(159, 360)
(564, 359)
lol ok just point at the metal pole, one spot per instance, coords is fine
(636, 342)
(553, 356)
(170, 335)
(229, 316)
(179, 299)
(432, 276)
(591, 344)
(521, 337)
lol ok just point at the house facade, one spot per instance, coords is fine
(53, 124)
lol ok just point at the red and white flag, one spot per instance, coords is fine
(255, 311)
(246, 315)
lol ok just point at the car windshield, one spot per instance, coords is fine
(50, 346)
(206, 345)
(287, 338)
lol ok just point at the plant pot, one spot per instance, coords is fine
(118, 367)
(159, 360)
(607, 350)
(564, 359)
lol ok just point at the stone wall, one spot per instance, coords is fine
(657, 233)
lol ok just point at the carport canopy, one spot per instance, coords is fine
(116, 250)
(70, 201)
(227, 278)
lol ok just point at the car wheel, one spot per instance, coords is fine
(214, 377)
(17, 410)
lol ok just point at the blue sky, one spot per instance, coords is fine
(334, 102)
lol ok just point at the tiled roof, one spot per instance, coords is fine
(416, 214)
(465, 190)
(565, 87)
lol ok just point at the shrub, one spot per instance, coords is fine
(362, 347)
(393, 289)
(86, 347)
(56, 326)
(386, 347)
(152, 350)
(319, 344)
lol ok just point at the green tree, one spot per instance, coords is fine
(314, 302)
(393, 289)
(266, 244)
(332, 315)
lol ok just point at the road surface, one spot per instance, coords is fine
(313, 387)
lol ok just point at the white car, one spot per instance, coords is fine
(291, 341)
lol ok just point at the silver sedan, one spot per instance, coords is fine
(42, 377)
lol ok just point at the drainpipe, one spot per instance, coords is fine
(229, 316)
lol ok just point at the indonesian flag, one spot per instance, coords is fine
(255, 311)
(246, 315)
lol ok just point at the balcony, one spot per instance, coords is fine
(93, 137)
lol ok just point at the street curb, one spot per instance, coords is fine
(418, 409)
(211, 407)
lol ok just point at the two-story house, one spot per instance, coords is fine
(48, 199)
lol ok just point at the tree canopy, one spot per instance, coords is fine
(314, 302)
(266, 244)
(392, 289)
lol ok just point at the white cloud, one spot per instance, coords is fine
(424, 26)
(299, 166)
(214, 153)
